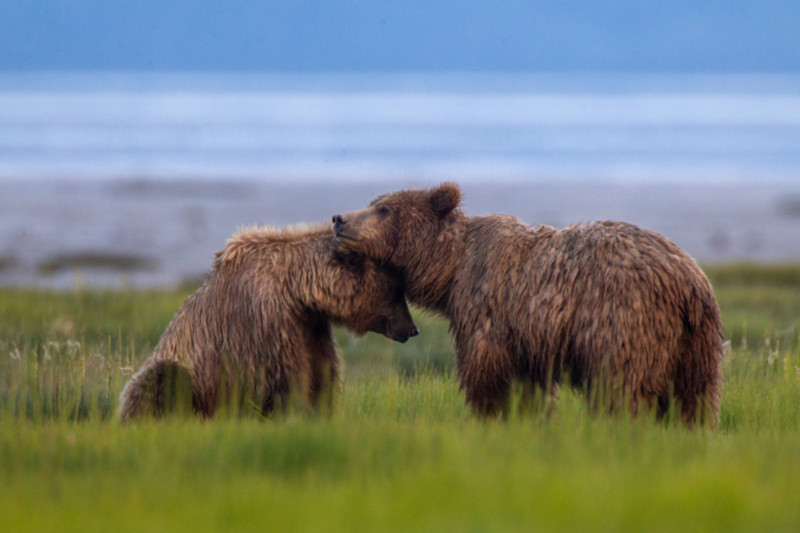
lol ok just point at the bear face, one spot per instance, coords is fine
(397, 227)
(419, 232)
(379, 305)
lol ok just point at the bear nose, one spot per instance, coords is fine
(414, 331)
(338, 223)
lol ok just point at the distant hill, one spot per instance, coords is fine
(400, 35)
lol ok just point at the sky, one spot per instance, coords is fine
(400, 36)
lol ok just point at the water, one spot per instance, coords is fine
(373, 127)
(132, 178)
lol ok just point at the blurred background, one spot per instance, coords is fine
(135, 137)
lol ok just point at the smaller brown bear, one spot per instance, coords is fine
(617, 310)
(260, 323)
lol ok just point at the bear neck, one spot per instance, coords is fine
(322, 285)
(430, 271)
(297, 261)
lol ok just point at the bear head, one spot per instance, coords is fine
(402, 227)
(377, 301)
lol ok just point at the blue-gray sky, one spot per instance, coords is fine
(401, 35)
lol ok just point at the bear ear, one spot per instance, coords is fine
(445, 198)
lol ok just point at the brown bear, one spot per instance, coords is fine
(607, 306)
(261, 322)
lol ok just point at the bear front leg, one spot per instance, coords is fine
(324, 376)
(285, 385)
(485, 374)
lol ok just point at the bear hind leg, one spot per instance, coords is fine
(697, 379)
(157, 390)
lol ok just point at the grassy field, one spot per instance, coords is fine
(400, 452)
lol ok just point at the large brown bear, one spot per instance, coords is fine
(261, 322)
(616, 310)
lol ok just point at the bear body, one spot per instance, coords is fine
(260, 324)
(616, 310)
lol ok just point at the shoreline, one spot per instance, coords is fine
(153, 233)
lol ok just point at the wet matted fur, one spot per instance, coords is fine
(619, 311)
(260, 324)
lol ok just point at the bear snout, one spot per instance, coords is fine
(404, 336)
(338, 223)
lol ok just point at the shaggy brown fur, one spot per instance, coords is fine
(261, 322)
(616, 310)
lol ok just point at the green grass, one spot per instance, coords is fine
(400, 451)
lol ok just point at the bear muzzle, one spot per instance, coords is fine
(403, 337)
(339, 222)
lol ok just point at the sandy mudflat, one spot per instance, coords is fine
(55, 233)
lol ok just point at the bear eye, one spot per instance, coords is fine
(384, 211)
